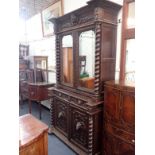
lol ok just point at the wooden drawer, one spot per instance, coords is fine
(119, 133)
(115, 146)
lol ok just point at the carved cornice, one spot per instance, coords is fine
(76, 20)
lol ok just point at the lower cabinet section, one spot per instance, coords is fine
(76, 123)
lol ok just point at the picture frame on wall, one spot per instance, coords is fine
(54, 10)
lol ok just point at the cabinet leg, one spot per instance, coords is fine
(30, 106)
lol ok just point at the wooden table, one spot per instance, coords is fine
(33, 137)
(38, 92)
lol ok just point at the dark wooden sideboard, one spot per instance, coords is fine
(85, 59)
(119, 118)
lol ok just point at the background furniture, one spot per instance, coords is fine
(76, 110)
(40, 66)
(33, 137)
(119, 119)
(38, 92)
(36, 71)
(23, 66)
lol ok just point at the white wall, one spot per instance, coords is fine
(70, 5)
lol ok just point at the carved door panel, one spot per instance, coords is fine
(61, 115)
(112, 104)
(79, 127)
(128, 109)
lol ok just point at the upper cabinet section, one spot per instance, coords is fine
(86, 47)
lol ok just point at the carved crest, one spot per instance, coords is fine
(74, 19)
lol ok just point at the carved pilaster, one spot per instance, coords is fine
(51, 116)
(98, 58)
(57, 59)
(90, 136)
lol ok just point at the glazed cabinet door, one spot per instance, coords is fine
(61, 116)
(79, 127)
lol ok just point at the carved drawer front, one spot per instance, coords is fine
(79, 128)
(112, 104)
(61, 115)
(115, 146)
(32, 92)
(128, 109)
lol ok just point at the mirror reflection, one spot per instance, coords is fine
(67, 50)
(87, 59)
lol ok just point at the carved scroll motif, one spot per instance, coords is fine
(75, 20)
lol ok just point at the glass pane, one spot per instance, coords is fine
(130, 60)
(67, 49)
(131, 15)
(41, 64)
(87, 59)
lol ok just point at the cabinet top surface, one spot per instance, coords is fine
(121, 84)
(41, 84)
(29, 129)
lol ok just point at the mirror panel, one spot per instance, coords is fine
(87, 59)
(67, 53)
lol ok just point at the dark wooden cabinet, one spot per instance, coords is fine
(119, 119)
(85, 59)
